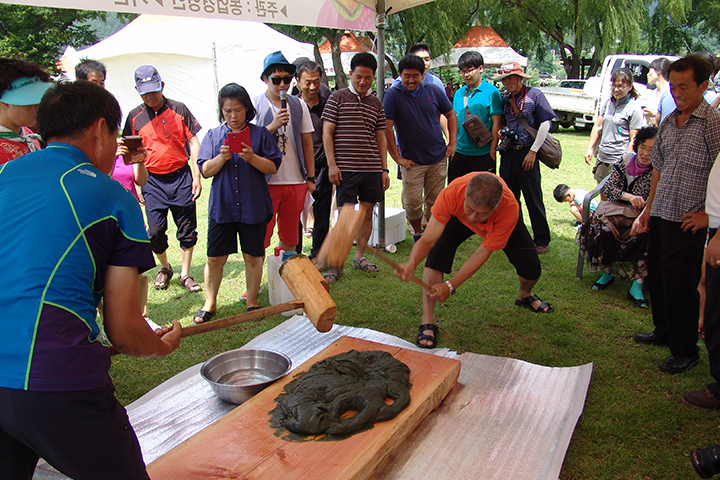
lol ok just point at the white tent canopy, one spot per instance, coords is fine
(194, 56)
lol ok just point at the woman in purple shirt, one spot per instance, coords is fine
(240, 204)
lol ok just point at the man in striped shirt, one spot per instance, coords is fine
(356, 148)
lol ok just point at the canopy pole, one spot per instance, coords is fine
(380, 82)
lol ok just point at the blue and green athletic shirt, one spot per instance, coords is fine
(63, 222)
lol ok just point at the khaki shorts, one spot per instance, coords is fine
(421, 186)
(601, 170)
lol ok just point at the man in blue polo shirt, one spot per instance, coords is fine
(413, 108)
(80, 238)
(484, 100)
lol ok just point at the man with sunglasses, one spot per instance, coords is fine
(288, 119)
(168, 132)
(481, 98)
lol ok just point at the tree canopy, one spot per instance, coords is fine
(40, 35)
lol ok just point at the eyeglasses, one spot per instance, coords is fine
(285, 80)
(619, 86)
(467, 72)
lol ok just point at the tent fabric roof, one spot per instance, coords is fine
(492, 47)
(194, 56)
(479, 36)
(348, 43)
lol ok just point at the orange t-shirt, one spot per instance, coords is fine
(497, 230)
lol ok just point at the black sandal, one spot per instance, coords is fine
(203, 316)
(428, 338)
(528, 301)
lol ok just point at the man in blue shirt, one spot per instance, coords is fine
(422, 51)
(477, 97)
(413, 108)
(71, 235)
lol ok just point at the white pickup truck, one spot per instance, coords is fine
(579, 107)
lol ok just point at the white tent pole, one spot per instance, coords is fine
(380, 10)
(215, 72)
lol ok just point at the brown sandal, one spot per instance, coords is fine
(163, 278)
(189, 283)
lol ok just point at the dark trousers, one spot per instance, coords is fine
(323, 201)
(527, 183)
(463, 164)
(172, 192)
(674, 267)
(712, 321)
(85, 435)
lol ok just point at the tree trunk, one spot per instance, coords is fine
(334, 36)
(319, 61)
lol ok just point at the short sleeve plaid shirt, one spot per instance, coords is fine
(684, 157)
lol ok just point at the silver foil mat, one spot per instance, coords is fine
(499, 408)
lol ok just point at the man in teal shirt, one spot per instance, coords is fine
(483, 100)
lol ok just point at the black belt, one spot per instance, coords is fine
(169, 176)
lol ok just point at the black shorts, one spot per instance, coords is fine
(520, 249)
(222, 238)
(363, 186)
(84, 435)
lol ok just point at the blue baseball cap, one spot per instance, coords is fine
(25, 91)
(277, 59)
(147, 80)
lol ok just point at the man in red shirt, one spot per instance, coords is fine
(480, 204)
(168, 132)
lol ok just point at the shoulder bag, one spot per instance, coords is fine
(550, 152)
(475, 127)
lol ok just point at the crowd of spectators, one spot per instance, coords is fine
(267, 158)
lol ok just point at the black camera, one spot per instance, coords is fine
(706, 461)
(509, 138)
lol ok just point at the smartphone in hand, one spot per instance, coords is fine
(135, 149)
(235, 140)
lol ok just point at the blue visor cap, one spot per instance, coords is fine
(25, 91)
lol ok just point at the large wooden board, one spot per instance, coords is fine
(243, 445)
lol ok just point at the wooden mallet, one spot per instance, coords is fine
(304, 281)
(335, 249)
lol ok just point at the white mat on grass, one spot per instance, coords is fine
(504, 419)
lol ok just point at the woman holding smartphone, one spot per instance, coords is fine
(240, 204)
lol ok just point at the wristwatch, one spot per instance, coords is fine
(386, 170)
(310, 179)
(450, 287)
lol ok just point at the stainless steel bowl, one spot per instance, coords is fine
(237, 375)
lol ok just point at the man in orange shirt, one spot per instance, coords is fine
(480, 204)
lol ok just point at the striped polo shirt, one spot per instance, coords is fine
(356, 121)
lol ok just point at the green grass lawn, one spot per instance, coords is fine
(634, 425)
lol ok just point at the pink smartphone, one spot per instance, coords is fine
(235, 140)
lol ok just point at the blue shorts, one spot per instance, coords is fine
(171, 192)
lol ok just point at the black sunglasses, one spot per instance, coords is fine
(285, 80)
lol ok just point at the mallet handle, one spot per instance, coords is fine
(396, 266)
(258, 314)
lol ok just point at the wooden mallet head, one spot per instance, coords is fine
(335, 249)
(306, 283)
